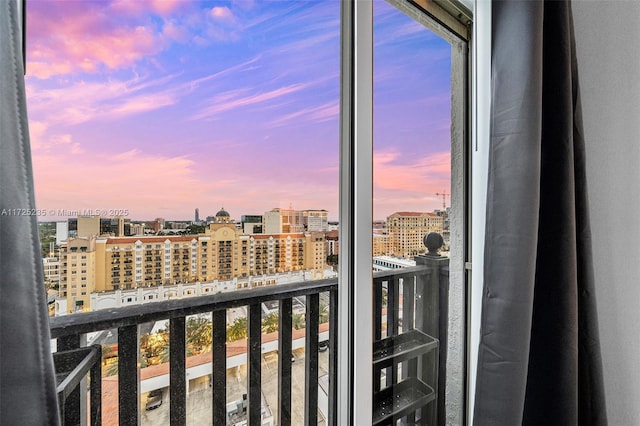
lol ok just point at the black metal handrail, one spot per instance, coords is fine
(422, 308)
(68, 331)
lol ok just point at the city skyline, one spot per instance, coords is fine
(144, 106)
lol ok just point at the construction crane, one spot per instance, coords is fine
(444, 204)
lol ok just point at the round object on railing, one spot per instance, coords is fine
(434, 242)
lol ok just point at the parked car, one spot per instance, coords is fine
(154, 399)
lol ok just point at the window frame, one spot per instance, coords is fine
(355, 338)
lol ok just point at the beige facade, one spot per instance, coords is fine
(406, 231)
(77, 272)
(315, 220)
(283, 221)
(51, 271)
(221, 253)
(380, 244)
(88, 226)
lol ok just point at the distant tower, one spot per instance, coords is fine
(197, 215)
(223, 216)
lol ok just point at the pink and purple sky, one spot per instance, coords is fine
(162, 106)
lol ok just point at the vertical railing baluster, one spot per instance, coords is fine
(284, 362)
(408, 300)
(128, 375)
(409, 368)
(312, 320)
(177, 372)
(427, 320)
(254, 364)
(219, 373)
(95, 393)
(392, 306)
(333, 358)
(70, 410)
(377, 309)
(377, 324)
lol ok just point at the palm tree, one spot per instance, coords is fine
(298, 321)
(155, 347)
(199, 334)
(270, 322)
(109, 361)
(324, 313)
(110, 369)
(237, 330)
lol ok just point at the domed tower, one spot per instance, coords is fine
(223, 216)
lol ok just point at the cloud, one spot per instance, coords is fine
(92, 36)
(79, 102)
(134, 180)
(231, 100)
(174, 31)
(140, 104)
(222, 13)
(42, 140)
(37, 130)
(427, 175)
(161, 8)
(315, 114)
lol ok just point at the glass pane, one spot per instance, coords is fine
(184, 149)
(412, 205)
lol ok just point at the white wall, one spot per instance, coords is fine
(607, 41)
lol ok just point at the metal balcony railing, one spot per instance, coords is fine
(408, 302)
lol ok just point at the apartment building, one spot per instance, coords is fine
(77, 272)
(406, 231)
(51, 267)
(315, 220)
(279, 221)
(223, 252)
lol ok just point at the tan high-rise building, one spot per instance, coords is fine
(221, 253)
(283, 221)
(51, 271)
(315, 220)
(406, 231)
(77, 272)
(380, 244)
(88, 226)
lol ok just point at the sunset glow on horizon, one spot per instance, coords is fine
(163, 106)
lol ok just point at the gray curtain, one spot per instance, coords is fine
(27, 381)
(539, 357)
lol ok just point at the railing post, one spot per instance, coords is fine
(177, 372)
(432, 296)
(443, 334)
(75, 407)
(128, 377)
(311, 359)
(254, 365)
(96, 389)
(219, 373)
(333, 358)
(284, 362)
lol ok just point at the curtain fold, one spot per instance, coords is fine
(27, 380)
(539, 356)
